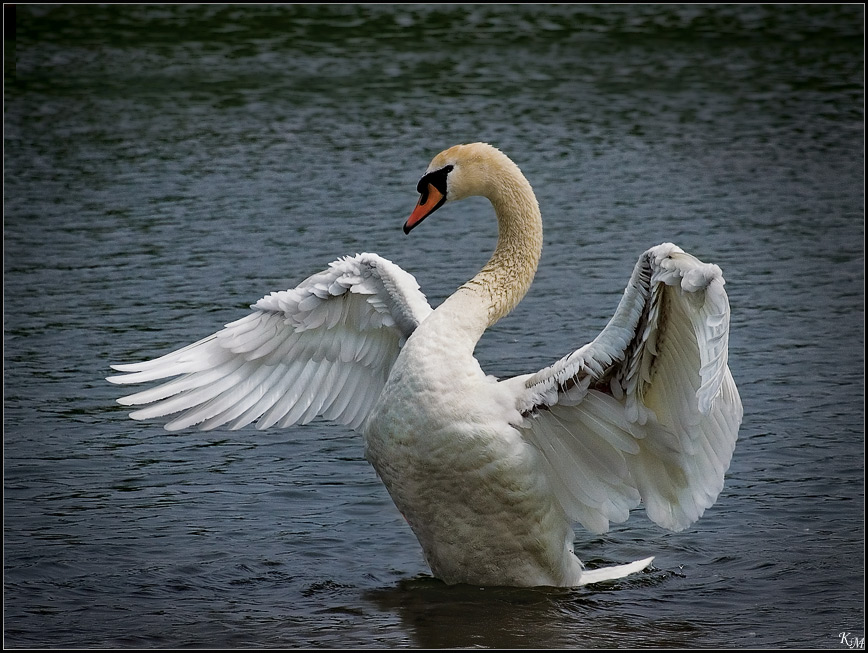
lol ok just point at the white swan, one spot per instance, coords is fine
(489, 474)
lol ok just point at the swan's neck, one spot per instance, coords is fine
(504, 280)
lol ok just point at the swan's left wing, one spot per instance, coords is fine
(323, 348)
(648, 410)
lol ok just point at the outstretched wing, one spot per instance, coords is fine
(323, 348)
(648, 410)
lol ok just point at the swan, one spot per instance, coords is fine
(490, 474)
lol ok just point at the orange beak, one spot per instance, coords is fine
(427, 204)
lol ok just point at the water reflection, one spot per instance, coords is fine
(440, 616)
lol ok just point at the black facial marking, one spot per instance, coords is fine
(437, 178)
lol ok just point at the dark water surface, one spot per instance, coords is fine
(166, 166)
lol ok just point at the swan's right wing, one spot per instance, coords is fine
(324, 348)
(648, 410)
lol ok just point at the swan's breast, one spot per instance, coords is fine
(466, 481)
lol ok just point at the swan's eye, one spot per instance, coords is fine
(437, 178)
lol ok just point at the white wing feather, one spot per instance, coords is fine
(648, 410)
(323, 348)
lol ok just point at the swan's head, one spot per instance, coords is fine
(459, 172)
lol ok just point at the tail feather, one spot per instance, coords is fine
(611, 573)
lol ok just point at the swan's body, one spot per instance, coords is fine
(489, 474)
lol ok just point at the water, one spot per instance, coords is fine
(166, 166)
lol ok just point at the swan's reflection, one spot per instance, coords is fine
(609, 615)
